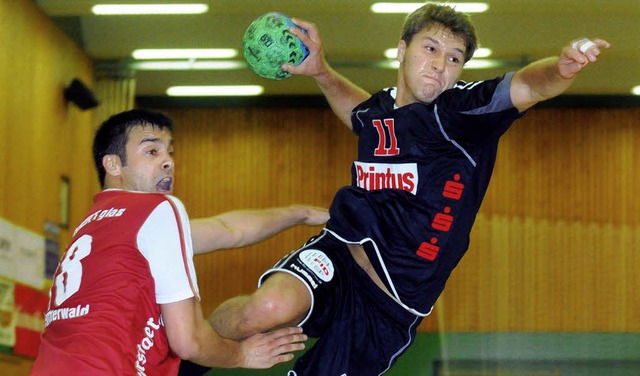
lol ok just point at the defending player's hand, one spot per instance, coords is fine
(579, 54)
(315, 64)
(264, 350)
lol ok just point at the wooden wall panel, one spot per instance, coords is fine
(116, 94)
(572, 164)
(554, 248)
(530, 275)
(42, 136)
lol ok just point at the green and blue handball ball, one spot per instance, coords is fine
(267, 44)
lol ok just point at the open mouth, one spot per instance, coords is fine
(164, 185)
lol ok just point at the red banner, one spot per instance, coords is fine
(30, 307)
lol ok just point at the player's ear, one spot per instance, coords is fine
(112, 164)
(402, 48)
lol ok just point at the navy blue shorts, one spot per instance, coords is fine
(361, 331)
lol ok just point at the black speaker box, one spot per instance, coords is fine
(80, 95)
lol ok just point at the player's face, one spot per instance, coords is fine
(430, 64)
(149, 165)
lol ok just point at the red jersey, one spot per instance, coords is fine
(131, 253)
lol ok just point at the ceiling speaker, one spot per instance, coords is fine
(80, 95)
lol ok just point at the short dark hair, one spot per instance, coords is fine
(113, 134)
(429, 14)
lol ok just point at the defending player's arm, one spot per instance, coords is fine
(192, 338)
(240, 228)
(547, 78)
(343, 95)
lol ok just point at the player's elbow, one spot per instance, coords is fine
(187, 332)
(185, 347)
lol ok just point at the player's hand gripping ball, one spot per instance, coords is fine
(267, 44)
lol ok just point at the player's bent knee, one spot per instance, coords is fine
(279, 302)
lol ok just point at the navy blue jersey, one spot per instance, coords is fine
(420, 177)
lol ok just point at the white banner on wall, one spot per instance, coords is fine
(7, 317)
(29, 258)
(7, 249)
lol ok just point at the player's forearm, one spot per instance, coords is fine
(253, 226)
(545, 79)
(192, 338)
(550, 77)
(538, 81)
(245, 227)
(343, 95)
(218, 352)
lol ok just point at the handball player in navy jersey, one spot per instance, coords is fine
(426, 152)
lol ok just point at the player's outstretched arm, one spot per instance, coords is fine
(240, 228)
(192, 338)
(547, 78)
(343, 95)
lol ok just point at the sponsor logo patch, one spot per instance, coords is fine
(373, 176)
(319, 263)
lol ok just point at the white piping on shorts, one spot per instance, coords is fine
(282, 270)
(395, 297)
(401, 350)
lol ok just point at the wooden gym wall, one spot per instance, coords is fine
(555, 246)
(41, 137)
